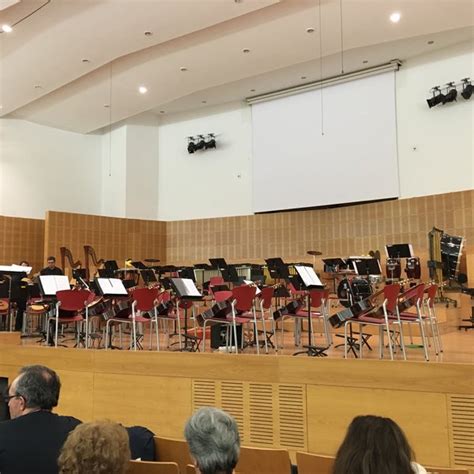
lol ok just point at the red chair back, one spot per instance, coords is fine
(73, 300)
(316, 297)
(222, 295)
(266, 296)
(216, 280)
(390, 293)
(431, 292)
(244, 296)
(163, 297)
(144, 298)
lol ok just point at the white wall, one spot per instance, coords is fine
(212, 183)
(142, 167)
(43, 168)
(435, 146)
(114, 172)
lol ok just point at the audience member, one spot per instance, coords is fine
(375, 445)
(213, 440)
(98, 447)
(30, 442)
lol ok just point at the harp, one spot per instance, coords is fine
(90, 257)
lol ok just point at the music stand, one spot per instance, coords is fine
(218, 263)
(367, 266)
(186, 290)
(399, 251)
(111, 287)
(278, 268)
(310, 281)
(50, 284)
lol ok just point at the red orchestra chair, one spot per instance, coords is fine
(70, 304)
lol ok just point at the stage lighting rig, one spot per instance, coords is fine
(451, 93)
(467, 88)
(437, 98)
(201, 142)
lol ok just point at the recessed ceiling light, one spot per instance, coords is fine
(37, 86)
(183, 69)
(142, 90)
(162, 111)
(395, 17)
(107, 106)
(246, 50)
(365, 61)
(430, 42)
(148, 33)
(310, 30)
(252, 90)
(7, 28)
(85, 60)
(204, 102)
(303, 77)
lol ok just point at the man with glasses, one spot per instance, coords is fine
(31, 441)
(51, 269)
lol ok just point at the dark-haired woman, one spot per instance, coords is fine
(375, 445)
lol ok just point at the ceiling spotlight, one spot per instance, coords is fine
(106, 106)
(142, 90)
(37, 86)
(309, 30)
(437, 98)
(395, 17)
(162, 111)
(7, 28)
(148, 33)
(85, 60)
(191, 145)
(204, 102)
(452, 93)
(246, 50)
(430, 42)
(303, 78)
(467, 88)
(252, 90)
(211, 141)
(183, 69)
(365, 61)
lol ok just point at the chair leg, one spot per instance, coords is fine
(361, 342)
(390, 347)
(275, 330)
(134, 334)
(256, 333)
(264, 332)
(235, 336)
(345, 340)
(402, 342)
(423, 339)
(56, 333)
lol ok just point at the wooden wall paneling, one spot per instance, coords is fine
(161, 404)
(424, 416)
(21, 239)
(349, 230)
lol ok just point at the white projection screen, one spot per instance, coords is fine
(296, 166)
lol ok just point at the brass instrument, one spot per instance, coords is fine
(89, 252)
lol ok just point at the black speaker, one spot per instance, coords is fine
(218, 332)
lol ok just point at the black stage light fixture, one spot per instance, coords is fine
(211, 141)
(437, 98)
(191, 145)
(201, 143)
(452, 93)
(467, 88)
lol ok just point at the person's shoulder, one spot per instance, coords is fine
(418, 468)
(71, 420)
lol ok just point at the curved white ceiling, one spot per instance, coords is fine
(207, 37)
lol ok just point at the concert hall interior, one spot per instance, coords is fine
(263, 206)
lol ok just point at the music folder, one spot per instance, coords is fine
(308, 277)
(111, 287)
(50, 284)
(185, 288)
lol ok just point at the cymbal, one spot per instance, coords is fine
(151, 260)
(314, 252)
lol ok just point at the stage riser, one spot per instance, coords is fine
(298, 403)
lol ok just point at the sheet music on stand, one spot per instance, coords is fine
(50, 284)
(185, 288)
(111, 287)
(15, 269)
(308, 277)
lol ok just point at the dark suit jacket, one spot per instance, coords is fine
(31, 443)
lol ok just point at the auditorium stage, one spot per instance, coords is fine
(299, 403)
